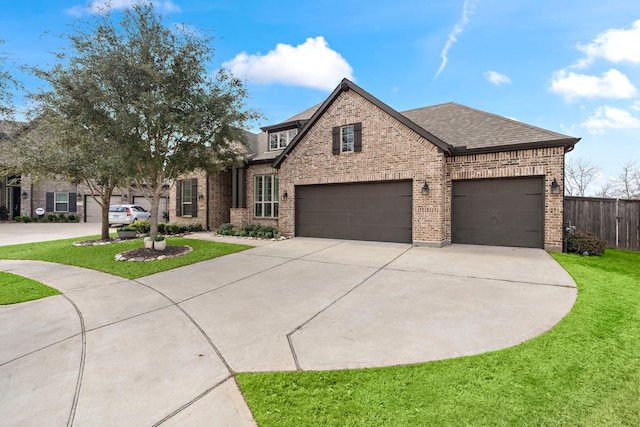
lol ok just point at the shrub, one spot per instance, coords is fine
(161, 227)
(61, 218)
(194, 227)
(159, 238)
(17, 218)
(173, 228)
(26, 218)
(143, 226)
(127, 228)
(585, 242)
(52, 218)
(165, 216)
(4, 213)
(225, 229)
(71, 218)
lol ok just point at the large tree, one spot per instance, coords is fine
(145, 87)
(7, 84)
(579, 174)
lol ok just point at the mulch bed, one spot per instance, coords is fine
(144, 254)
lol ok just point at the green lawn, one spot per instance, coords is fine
(15, 289)
(584, 372)
(102, 257)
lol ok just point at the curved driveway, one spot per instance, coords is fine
(162, 349)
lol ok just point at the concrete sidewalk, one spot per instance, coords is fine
(162, 349)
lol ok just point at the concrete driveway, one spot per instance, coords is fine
(162, 350)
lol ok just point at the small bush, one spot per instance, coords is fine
(142, 227)
(585, 242)
(17, 218)
(26, 218)
(62, 218)
(172, 228)
(159, 238)
(225, 229)
(72, 218)
(127, 228)
(4, 213)
(161, 227)
(52, 218)
(194, 227)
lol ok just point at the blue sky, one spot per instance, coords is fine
(568, 66)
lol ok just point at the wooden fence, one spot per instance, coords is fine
(615, 220)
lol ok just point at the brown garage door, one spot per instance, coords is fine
(501, 212)
(377, 211)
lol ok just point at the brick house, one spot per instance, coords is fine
(354, 168)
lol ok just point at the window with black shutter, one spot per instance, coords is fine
(187, 197)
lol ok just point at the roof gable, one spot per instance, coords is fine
(347, 85)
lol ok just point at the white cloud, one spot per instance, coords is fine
(636, 105)
(607, 117)
(311, 64)
(612, 84)
(99, 6)
(467, 9)
(614, 45)
(496, 78)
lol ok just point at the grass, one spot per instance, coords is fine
(102, 257)
(15, 289)
(584, 372)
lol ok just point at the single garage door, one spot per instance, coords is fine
(500, 212)
(93, 211)
(377, 211)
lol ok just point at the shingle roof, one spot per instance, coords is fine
(465, 127)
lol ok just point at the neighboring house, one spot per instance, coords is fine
(21, 195)
(354, 168)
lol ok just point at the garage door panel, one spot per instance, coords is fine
(502, 212)
(365, 211)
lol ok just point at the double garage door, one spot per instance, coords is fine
(378, 211)
(501, 212)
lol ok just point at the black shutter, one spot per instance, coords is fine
(49, 202)
(194, 197)
(357, 137)
(72, 202)
(179, 197)
(336, 140)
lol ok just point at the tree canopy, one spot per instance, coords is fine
(128, 80)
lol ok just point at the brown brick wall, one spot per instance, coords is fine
(390, 151)
(219, 199)
(545, 162)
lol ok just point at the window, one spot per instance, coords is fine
(186, 197)
(186, 200)
(266, 196)
(347, 139)
(61, 201)
(279, 140)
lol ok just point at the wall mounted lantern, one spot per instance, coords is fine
(200, 196)
(425, 188)
(124, 196)
(285, 196)
(555, 187)
(24, 195)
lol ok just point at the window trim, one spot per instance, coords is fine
(350, 144)
(262, 199)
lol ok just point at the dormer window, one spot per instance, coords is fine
(279, 140)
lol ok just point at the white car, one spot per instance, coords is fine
(127, 214)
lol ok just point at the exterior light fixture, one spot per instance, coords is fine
(285, 196)
(24, 195)
(425, 188)
(200, 196)
(124, 196)
(555, 187)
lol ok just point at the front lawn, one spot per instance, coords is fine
(102, 257)
(15, 289)
(584, 372)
